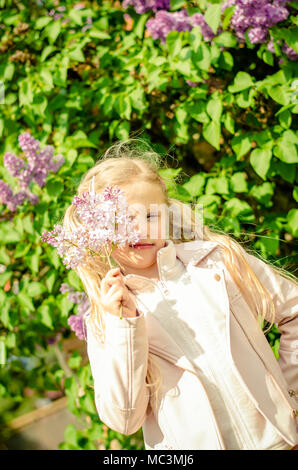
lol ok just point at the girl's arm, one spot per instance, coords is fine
(119, 369)
(284, 294)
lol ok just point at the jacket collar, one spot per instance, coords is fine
(169, 260)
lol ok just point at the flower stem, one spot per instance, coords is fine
(110, 264)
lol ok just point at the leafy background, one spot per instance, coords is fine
(79, 76)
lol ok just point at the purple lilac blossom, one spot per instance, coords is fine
(13, 163)
(193, 84)
(65, 288)
(164, 22)
(39, 164)
(290, 53)
(76, 323)
(141, 6)
(76, 297)
(270, 46)
(98, 214)
(7, 197)
(88, 24)
(253, 14)
(257, 35)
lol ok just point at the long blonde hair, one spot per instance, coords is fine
(130, 161)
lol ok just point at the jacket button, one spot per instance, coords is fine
(217, 277)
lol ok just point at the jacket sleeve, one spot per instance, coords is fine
(119, 369)
(284, 294)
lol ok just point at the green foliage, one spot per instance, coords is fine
(79, 90)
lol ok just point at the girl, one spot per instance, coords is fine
(188, 362)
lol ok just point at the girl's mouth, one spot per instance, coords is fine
(141, 246)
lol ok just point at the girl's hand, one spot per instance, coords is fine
(113, 291)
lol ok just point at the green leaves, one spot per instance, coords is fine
(286, 148)
(286, 152)
(25, 91)
(225, 39)
(45, 316)
(242, 81)
(241, 144)
(263, 193)
(211, 133)
(195, 185)
(8, 234)
(260, 161)
(54, 188)
(2, 352)
(290, 35)
(212, 16)
(239, 209)
(53, 30)
(280, 94)
(238, 182)
(292, 222)
(214, 108)
(35, 289)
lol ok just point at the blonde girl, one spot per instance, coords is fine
(188, 362)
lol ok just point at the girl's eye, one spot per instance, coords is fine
(151, 216)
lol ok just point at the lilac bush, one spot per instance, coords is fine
(39, 164)
(254, 17)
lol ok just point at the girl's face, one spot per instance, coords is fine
(146, 205)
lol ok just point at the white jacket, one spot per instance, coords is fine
(119, 367)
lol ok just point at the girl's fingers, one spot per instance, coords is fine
(110, 279)
(115, 289)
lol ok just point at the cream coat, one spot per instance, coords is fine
(119, 368)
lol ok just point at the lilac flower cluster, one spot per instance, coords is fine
(39, 164)
(99, 214)
(164, 22)
(76, 322)
(141, 6)
(255, 17)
